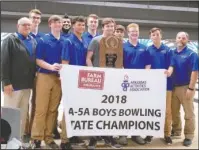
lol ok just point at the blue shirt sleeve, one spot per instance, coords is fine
(169, 58)
(194, 61)
(66, 50)
(148, 58)
(40, 49)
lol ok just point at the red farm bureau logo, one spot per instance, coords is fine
(91, 79)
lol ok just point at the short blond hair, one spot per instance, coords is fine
(54, 18)
(132, 25)
(36, 11)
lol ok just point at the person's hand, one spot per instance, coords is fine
(168, 73)
(56, 67)
(190, 94)
(8, 89)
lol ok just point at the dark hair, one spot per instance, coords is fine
(155, 29)
(107, 21)
(78, 19)
(120, 27)
(66, 16)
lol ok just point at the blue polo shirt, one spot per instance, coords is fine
(184, 62)
(38, 36)
(27, 41)
(161, 59)
(88, 37)
(65, 35)
(75, 51)
(135, 57)
(49, 49)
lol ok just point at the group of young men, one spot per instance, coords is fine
(31, 61)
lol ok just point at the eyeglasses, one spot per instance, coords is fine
(25, 24)
(33, 17)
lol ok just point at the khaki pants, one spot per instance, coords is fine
(168, 118)
(31, 111)
(178, 98)
(48, 96)
(19, 99)
(64, 138)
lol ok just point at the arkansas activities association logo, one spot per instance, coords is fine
(133, 85)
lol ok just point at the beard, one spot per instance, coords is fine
(65, 30)
(180, 44)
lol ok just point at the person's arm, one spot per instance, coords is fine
(194, 77)
(6, 48)
(88, 58)
(91, 48)
(194, 74)
(40, 55)
(147, 59)
(66, 52)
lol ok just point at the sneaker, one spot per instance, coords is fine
(168, 140)
(66, 146)
(76, 140)
(123, 140)
(92, 143)
(114, 143)
(36, 144)
(138, 140)
(52, 145)
(148, 139)
(187, 142)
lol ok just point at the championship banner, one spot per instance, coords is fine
(107, 101)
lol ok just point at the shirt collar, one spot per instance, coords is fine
(22, 37)
(53, 38)
(160, 48)
(129, 44)
(75, 38)
(89, 35)
(182, 51)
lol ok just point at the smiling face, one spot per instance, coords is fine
(133, 33)
(79, 27)
(92, 23)
(66, 23)
(36, 19)
(156, 36)
(182, 39)
(24, 26)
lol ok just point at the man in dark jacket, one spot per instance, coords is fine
(18, 68)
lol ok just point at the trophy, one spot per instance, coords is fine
(111, 52)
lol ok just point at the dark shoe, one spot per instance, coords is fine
(187, 142)
(148, 139)
(138, 139)
(56, 134)
(52, 145)
(114, 143)
(66, 146)
(168, 140)
(36, 144)
(76, 140)
(92, 144)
